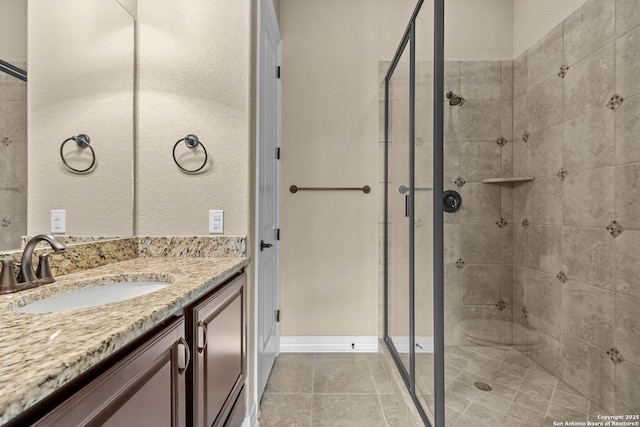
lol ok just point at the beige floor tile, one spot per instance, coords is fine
(291, 410)
(292, 373)
(346, 410)
(342, 377)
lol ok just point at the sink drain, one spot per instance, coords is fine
(483, 386)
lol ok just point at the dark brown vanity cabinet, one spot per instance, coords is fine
(188, 371)
(217, 371)
(145, 388)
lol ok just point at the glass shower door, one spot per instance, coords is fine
(398, 150)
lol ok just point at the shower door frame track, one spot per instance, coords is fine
(438, 219)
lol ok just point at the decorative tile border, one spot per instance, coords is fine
(525, 136)
(501, 141)
(501, 223)
(460, 264)
(501, 305)
(525, 223)
(460, 182)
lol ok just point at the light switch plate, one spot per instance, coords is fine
(216, 221)
(58, 221)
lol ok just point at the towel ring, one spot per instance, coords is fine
(83, 141)
(190, 141)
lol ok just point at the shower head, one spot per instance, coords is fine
(454, 99)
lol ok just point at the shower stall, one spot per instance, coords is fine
(511, 226)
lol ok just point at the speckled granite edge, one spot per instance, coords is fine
(193, 246)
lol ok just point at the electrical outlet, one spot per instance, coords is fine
(216, 221)
(58, 221)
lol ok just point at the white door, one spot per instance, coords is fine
(268, 182)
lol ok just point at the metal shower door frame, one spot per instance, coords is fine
(408, 377)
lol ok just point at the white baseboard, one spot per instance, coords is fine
(329, 344)
(251, 420)
(423, 344)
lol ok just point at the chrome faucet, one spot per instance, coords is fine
(43, 275)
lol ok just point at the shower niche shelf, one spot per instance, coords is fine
(507, 180)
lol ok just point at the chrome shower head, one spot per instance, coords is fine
(454, 99)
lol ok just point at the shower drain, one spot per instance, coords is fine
(483, 386)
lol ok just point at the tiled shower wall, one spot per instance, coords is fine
(576, 228)
(13, 160)
(478, 238)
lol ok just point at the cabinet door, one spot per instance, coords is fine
(218, 370)
(147, 388)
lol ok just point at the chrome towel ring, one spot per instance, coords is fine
(82, 141)
(190, 141)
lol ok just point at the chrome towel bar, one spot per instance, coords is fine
(366, 189)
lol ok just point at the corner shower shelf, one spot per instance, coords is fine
(507, 180)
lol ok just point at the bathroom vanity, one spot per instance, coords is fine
(174, 357)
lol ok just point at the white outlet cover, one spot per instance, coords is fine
(216, 221)
(58, 221)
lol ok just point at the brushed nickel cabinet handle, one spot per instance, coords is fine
(184, 355)
(202, 336)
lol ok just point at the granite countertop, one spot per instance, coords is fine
(41, 352)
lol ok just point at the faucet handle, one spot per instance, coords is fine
(7, 279)
(43, 273)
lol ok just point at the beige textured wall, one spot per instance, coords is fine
(330, 137)
(194, 77)
(532, 19)
(80, 81)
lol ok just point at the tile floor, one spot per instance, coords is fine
(329, 389)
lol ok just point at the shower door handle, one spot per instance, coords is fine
(406, 206)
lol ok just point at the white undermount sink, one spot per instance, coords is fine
(93, 297)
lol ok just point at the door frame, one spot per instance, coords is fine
(266, 17)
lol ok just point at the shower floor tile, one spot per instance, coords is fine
(523, 393)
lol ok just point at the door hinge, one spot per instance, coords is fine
(278, 316)
(277, 234)
(278, 153)
(278, 72)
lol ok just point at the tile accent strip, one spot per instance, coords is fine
(615, 229)
(615, 356)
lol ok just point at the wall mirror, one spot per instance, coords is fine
(80, 62)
